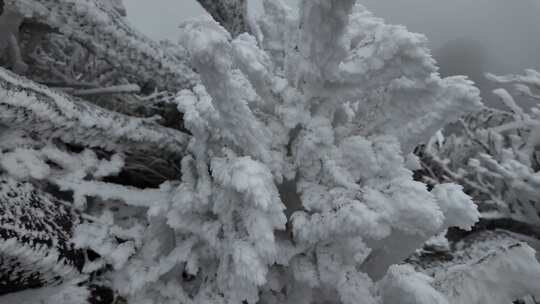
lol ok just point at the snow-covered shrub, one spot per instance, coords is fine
(484, 267)
(295, 182)
(295, 185)
(495, 154)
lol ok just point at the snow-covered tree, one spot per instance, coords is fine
(283, 176)
(495, 154)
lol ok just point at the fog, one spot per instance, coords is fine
(466, 36)
(159, 19)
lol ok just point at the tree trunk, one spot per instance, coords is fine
(231, 14)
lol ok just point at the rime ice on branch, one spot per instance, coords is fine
(35, 108)
(495, 155)
(100, 28)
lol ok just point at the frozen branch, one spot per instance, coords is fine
(480, 262)
(120, 89)
(37, 109)
(35, 230)
(103, 31)
(531, 78)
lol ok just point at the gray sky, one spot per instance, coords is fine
(160, 18)
(509, 29)
(466, 36)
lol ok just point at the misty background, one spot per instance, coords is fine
(467, 37)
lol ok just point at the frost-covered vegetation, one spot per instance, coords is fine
(495, 155)
(256, 161)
